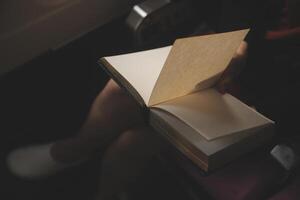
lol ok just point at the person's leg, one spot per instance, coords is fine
(125, 159)
(112, 112)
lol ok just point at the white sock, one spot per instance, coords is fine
(34, 162)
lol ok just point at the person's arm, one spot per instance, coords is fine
(284, 35)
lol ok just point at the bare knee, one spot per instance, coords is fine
(113, 90)
(113, 95)
(116, 106)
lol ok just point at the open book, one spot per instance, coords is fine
(176, 83)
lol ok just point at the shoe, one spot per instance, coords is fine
(33, 162)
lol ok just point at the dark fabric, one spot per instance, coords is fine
(291, 190)
(255, 176)
(255, 14)
(272, 77)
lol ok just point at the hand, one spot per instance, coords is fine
(226, 82)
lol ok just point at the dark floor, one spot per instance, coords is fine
(47, 99)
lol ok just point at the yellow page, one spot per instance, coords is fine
(195, 63)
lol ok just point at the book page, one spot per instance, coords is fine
(141, 69)
(193, 63)
(192, 137)
(214, 115)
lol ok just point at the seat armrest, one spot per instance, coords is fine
(287, 154)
